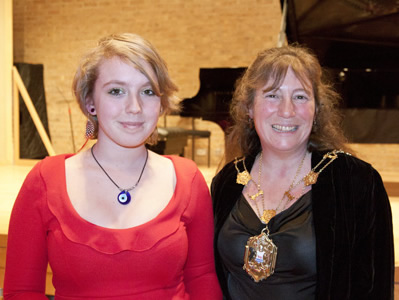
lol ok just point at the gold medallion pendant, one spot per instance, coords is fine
(267, 215)
(311, 178)
(243, 177)
(260, 256)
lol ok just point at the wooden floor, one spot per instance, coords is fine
(12, 176)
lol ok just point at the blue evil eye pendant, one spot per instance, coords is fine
(124, 197)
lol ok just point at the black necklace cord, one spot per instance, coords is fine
(105, 172)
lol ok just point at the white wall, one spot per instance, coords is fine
(6, 62)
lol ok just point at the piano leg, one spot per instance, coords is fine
(199, 134)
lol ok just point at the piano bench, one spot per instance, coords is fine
(200, 134)
(171, 140)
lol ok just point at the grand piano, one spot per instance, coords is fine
(213, 99)
(356, 40)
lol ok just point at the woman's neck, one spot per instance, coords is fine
(283, 164)
(119, 157)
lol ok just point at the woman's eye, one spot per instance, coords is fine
(271, 96)
(149, 92)
(301, 97)
(116, 92)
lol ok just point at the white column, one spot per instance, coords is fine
(6, 62)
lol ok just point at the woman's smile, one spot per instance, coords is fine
(284, 128)
(131, 124)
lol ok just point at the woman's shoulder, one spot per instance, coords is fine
(181, 162)
(343, 157)
(229, 170)
(49, 164)
(224, 176)
(56, 159)
(45, 174)
(185, 169)
(346, 163)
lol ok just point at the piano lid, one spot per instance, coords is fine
(212, 102)
(347, 33)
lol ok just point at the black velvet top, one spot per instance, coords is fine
(352, 225)
(292, 232)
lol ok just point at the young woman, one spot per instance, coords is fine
(116, 221)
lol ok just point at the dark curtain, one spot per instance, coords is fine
(31, 145)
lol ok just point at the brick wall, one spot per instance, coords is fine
(189, 34)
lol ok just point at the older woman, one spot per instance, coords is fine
(116, 221)
(297, 216)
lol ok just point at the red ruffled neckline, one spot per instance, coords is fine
(107, 240)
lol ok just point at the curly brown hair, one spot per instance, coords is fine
(134, 50)
(271, 66)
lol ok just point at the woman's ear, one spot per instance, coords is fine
(90, 107)
(251, 112)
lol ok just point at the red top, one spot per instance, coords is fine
(169, 257)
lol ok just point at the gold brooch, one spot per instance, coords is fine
(242, 177)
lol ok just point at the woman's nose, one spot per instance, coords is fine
(286, 108)
(133, 104)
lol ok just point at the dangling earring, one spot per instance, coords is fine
(314, 127)
(89, 134)
(90, 125)
(89, 129)
(251, 123)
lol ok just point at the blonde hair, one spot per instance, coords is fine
(271, 66)
(132, 49)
